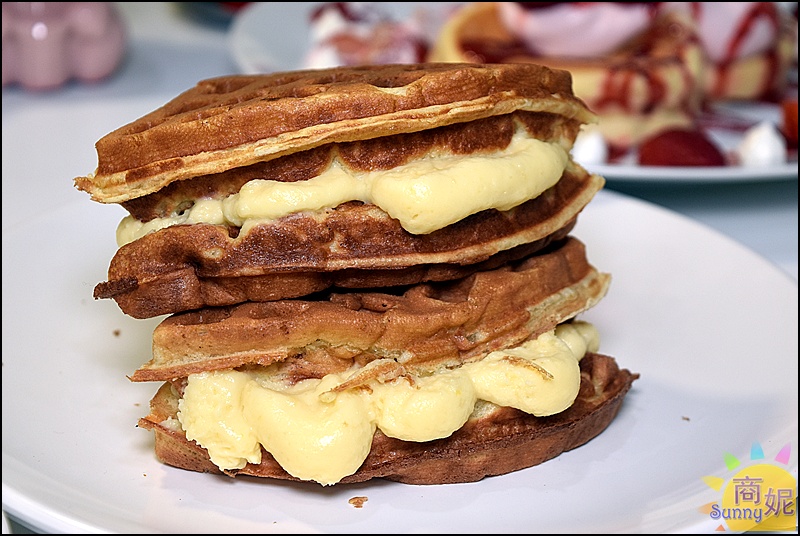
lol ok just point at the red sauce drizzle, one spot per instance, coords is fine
(760, 10)
(617, 83)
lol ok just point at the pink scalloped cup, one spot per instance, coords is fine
(46, 44)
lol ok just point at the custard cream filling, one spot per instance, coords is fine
(424, 195)
(318, 432)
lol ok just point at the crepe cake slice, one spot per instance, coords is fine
(653, 81)
(751, 50)
(265, 187)
(447, 382)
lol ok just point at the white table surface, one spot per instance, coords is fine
(169, 53)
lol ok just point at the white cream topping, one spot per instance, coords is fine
(321, 434)
(590, 146)
(424, 195)
(762, 146)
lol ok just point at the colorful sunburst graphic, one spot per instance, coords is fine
(759, 497)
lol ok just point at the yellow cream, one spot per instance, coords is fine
(203, 211)
(214, 417)
(311, 439)
(541, 377)
(318, 433)
(424, 195)
(423, 408)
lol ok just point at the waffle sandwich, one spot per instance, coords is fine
(368, 272)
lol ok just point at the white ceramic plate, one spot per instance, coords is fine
(645, 174)
(710, 326)
(6, 527)
(258, 44)
(727, 139)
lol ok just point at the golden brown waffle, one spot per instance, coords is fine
(429, 326)
(235, 121)
(651, 82)
(496, 440)
(354, 245)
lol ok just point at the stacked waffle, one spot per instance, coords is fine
(368, 272)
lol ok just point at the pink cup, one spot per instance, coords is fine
(45, 44)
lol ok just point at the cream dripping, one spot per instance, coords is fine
(316, 433)
(424, 195)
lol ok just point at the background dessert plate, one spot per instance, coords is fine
(728, 123)
(716, 350)
(257, 44)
